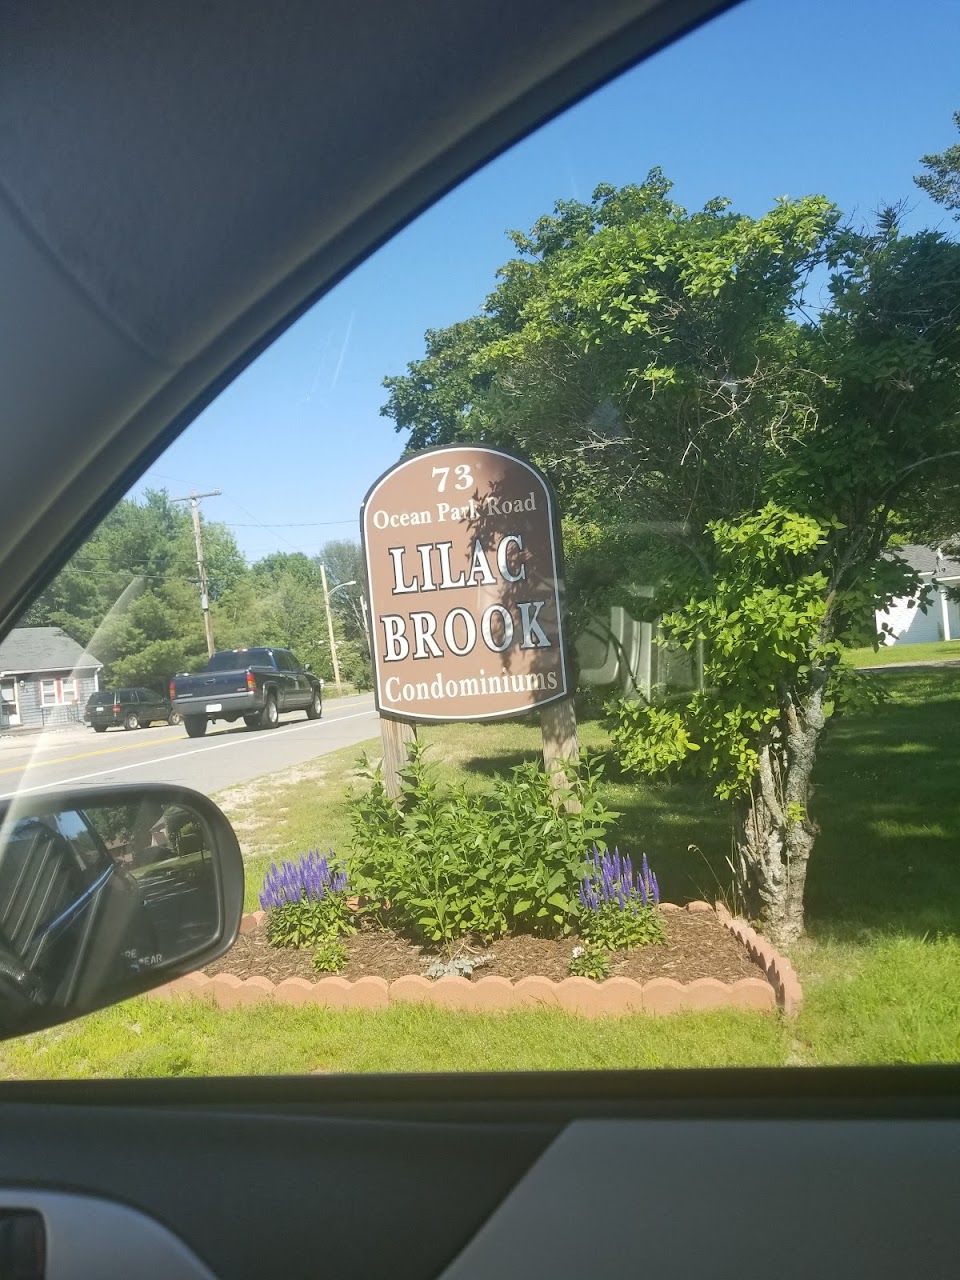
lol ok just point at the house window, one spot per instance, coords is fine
(58, 692)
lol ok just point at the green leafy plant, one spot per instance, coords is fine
(331, 956)
(305, 901)
(590, 961)
(444, 863)
(618, 905)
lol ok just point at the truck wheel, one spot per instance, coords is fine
(315, 709)
(131, 720)
(268, 716)
(99, 728)
(196, 726)
(252, 722)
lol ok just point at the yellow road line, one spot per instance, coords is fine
(32, 762)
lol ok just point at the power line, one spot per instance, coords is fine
(293, 524)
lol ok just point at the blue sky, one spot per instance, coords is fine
(778, 97)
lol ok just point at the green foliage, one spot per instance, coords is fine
(446, 863)
(649, 740)
(767, 621)
(618, 929)
(590, 961)
(309, 922)
(130, 593)
(942, 180)
(712, 434)
(330, 956)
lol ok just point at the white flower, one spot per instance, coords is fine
(577, 952)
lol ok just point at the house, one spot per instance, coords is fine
(904, 622)
(616, 649)
(45, 678)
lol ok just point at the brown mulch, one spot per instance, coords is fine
(697, 946)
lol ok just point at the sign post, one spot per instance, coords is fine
(462, 551)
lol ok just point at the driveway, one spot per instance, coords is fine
(227, 756)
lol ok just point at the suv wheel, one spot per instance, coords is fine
(131, 720)
(174, 717)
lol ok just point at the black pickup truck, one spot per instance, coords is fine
(257, 684)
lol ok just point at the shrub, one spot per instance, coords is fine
(331, 956)
(450, 864)
(648, 740)
(305, 901)
(618, 907)
(590, 961)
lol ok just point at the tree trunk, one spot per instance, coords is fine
(774, 831)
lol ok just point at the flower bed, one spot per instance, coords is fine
(708, 960)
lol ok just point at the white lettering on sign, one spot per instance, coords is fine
(392, 520)
(534, 636)
(480, 573)
(459, 631)
(461, 549)
(506, 628)
(469, 632)
(479, 686)
(480, 566)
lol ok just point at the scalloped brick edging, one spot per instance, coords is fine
(574, 995)
(780, 972)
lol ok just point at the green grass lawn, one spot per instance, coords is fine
(891, 655)
(881, 967)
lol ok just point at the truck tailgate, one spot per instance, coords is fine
(211, 685)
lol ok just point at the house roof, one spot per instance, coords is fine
(42, 649)
(927, 560)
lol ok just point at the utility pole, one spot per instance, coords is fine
(194, 500)
(333, 642)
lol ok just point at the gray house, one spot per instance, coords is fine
(45, 678)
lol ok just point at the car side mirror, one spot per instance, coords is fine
(105, 894)
(307, 666)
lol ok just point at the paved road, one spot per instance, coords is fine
(225, 757)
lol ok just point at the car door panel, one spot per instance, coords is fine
(312, 1196)
(660, 1173)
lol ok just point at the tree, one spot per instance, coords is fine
(130, 591)
(942, 179)
(666, 370)
(288, 610)
(344, 562)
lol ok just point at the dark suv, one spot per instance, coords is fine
(129, 707)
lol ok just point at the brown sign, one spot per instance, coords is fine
(462, 552)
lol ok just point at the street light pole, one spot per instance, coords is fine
(333, 642)
(194, 500)
(366, 626)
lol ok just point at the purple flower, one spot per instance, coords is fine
(310, 879)
(611, 881)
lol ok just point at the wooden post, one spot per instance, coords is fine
(397, 737)
(558, 724)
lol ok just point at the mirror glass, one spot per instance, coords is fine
(99, 897)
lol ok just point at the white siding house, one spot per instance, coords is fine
(905, 622)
